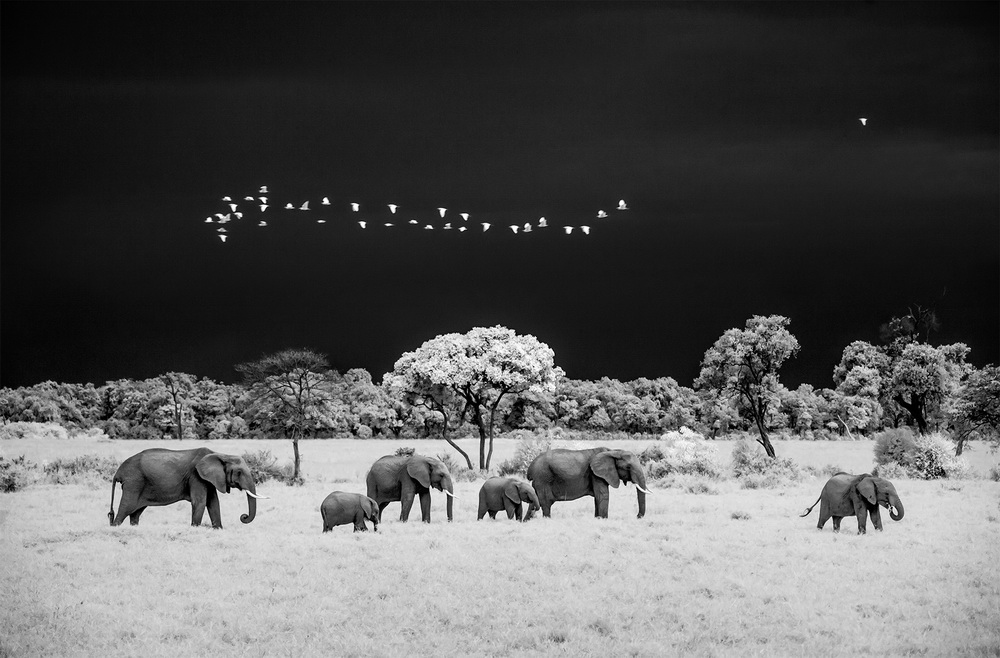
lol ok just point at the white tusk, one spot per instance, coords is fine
(253, 495)
(645, 491)
(449, 493)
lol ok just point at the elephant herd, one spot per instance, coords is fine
(162, 477)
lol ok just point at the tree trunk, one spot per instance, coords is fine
(178, 422)
(916, 409)
(444, 435)
(764, 440)
(295, 450)
(478, 417)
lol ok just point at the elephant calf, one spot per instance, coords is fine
(341, 508)
(856, 495)
(507, 494)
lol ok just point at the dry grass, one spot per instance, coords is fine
(736, 573)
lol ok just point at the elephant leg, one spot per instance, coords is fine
(359, 522)
(545, 500)
(862, 521)
(407, 502)
(381, 508)
(214, 511)
(824, 516)
(876, 518)
(508, 506)
(836, 523)
(518, 511)
(133, 518)
(425, 507)
(199, 498)
(493, 514)
(127, 505)
(483, 508)
(601, 498)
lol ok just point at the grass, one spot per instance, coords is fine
(735, 573)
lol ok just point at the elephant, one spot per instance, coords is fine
(401, 477)
(856, 495)
(570, 474)
(162, 477)
(500, 493)
(340, 508)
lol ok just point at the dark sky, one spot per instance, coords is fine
(731, 130)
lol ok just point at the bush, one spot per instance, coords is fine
(84, 468)
(363, 432)
(995, 473)
(528, 447)
(27, 430)
(892, 471)
(684, 456)
(263, 467)
(459, 473)
(403, 451)
(895, 445)
(756, 470)
(16, 474)
(934, 457)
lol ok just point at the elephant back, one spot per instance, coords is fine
(383, 477)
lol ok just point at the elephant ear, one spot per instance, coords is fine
(420, 470)
(511, 491)
(603, 465)
(867, 489)
(370, 508)
(211, 469)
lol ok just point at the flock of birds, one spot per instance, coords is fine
(259, 203)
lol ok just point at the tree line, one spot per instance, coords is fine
(492, 380)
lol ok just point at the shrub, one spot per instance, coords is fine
(263, 467)
(934, 458)
(29, 430)
(892, 471)
(528, 447)
(756, 470)
(740, 516)
(685, 456)
(895, 445)
(363, 432)
(15, 474)
(84, 468)
(459, 473)
(995, 473)
(701, 487)
(403, 451)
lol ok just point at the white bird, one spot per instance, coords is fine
(486, 226)
(461, 229)
(863, 120)
(542, 223)
(321, 221)
(208, 220)
(621, 205)
(388, 224)
(239, 215)
(225, 198)
(263, 207)
(601, 213)
(568, 229)
(233, 206)
(413, 221)
(448, 225)
(263, 189)
(225, 218)
(248, 198)
(263, 199)
(585, 229)
(222, 230)
(289, 207)
(262, 223)
(304, 206)
(514, 228)
(527, 228)
(442, 211)
(325, 201)
(223, 237)
(464, 216)
(428, 227)
(392, 208)
(220, 215)
(355, 207)
(362, 224)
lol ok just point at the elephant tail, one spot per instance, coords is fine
(111, 514)
(810, 508)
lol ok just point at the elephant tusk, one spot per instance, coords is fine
(448, 493)
(253, 495)
(645, 491)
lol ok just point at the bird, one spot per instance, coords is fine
(413, 221)
(362, 224)
(263, 199)
(388, 224)
(304, 206)
(233, 206)
(321, 221)
(225, 198)
(864, 121)
(486, 226)
(239, 215)
(621, 205)
(222, 230)
(325, 201)
(223, 218)
(442, 211)
(601, 213)
(263, 189)
(514, 228)
(208, 220)
(462, 229)
(223, 237)
(263, 207)
(262, 223)
(585, 229)
(542, 223)
(428, 228)
(289, 207)
(355, 207)
(527, 227)
(568, 229)
(448, 225)
(464, 216)
(392, 208)
(248, 198)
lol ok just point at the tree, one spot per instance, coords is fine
(179, 387)
(975, 410)
(925, 375)
(743, 364)
(291, 391)
(477, 370)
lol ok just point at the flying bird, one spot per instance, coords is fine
(233, 206)
(428, 227)
(514, 228)
(527, 228)
(486, 226)
(263, 199)
(263, 207)
(225, 198)
(601, 214)
(392, 208)
(305, 206)
(568, 229)
(248, 198)
(239, 215)
(863, 120)
(442, 211)
(388, 224)
(362, 224)
(321, 221)
(325, 201)
(464, 216)
(223, 237)
(289, 207)
(413, 221)
(585, 229)
(222, 230)
(208, 220)
(542, 223)
(263, 189)
(448, 225)
(262, 223)
(355, 207)
(621, 205)
(461, 229)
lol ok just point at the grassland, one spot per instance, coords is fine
(736, 573)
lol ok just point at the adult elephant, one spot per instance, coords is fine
(162, 477)
(507, 494)
(401, 477)
(570, 474)
(856, 495)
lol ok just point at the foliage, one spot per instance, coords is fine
(264, 466)
(15, 474)
(975, 410)
(528, 447)
(681, 456)
(83, 468)
(460, 472)
(743, 365)
(32, 430)
(895, 445)
(892, 470)
(934, 458)
(404, 451)
(995, 473)
(756, 470)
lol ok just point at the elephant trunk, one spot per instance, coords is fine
(895, 508)
(450, 495)
(640, 494)
(251, 504)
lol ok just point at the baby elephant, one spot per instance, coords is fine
(340, 508)
(507, 494)
(857, 495)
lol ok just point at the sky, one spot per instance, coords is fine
(731, 130)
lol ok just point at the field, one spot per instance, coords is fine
(734, 573)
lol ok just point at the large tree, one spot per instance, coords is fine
(179, 388)
(291, 391)
(477, 370)
(975, 409)
(924, 376)
(743, 365)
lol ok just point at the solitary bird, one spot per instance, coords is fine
(225, 198)
(248, 198)
(568, 229)
(325, 201)
(239, 215)
(223, 237)
(208, 220)
(486, 226)
(863, 120)
(263, 189)
(461, 229)
(321, 221)
(262, 223)
(362, 224)
(304, 206)
(464, 216)
(222, 230)
(392, 208)
(355, 207)
(442, 211)
(413, 221)
(585, 229)
(428, 228)
(388, 224)
(289, 207)
(601, 214)
(542, 223)
(514, 228)
(621, 205)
